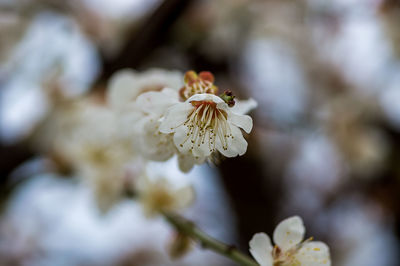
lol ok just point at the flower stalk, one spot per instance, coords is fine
(190, 229)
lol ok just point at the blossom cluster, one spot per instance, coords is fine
(190, 120)
(154, 116)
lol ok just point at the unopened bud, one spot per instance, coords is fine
(190, 77)
(228, 97)
(179, 246)
(197, 84)
(206, 75)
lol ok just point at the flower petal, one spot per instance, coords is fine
(162, 78)
(201, 149)
(171, 93)
(206, 97)
(156, 102)
(202, 146)
(155, 145)
(242, 121)
(187, 161)
(181, 139)
(184, 196)
(236, 145)
(184, 143)
(289, 233)
(261, 249)
(314, 253)
(122, 88)
(243, 106)
(175, 116)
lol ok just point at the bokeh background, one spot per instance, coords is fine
(325, 143)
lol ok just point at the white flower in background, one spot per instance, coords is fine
(158, 195)
(289, 249)
(33, 84)
(126, 85)
(141, 124)
(82, 136)
(186, 161)
(100, 156)
(140, 100)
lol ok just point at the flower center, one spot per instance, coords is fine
(97, 155)
(159, 198)
(207, 123)
(288, 258)
(284, 258)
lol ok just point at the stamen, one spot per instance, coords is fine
(205, 124)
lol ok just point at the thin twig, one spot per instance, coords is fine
(190, 229)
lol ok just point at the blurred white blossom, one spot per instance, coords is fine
(140, 100)
(126, 85)
(83, 136)
(159, 195)
(54, 59)
(99, 154)
(53, 221)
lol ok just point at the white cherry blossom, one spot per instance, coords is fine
(289, 249)
(142, 120)
(99, 156)
(140, 100)
(157, 194)
(190, 121)
(203, 124)
(82, 136)
(126, 85)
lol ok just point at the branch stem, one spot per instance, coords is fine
(190, 229)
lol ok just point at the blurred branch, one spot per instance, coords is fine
(147, 37)
(189, 228)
